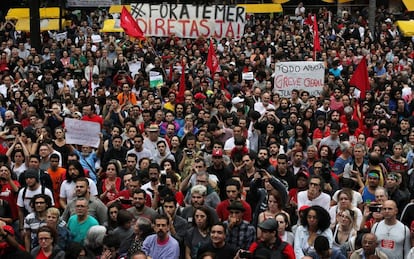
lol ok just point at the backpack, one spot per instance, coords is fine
(26, 212)
(264, 252)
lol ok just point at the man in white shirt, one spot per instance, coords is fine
(264, 105)
(314, 195)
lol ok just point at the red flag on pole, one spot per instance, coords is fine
(360, 79)
(212, 61)
(316, 43)
(130, 26)
(182, 86)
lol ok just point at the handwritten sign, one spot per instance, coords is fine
(306, 75)
(82, 132)
(190, 21)
(248, 76)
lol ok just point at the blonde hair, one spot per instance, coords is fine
(53, 211)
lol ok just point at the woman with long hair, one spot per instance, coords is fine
(47, 248)
(74, 170)
(111, 185)
(301, 133)
(113, 210)
(285, 230)
(345, 228)
(59, 144)
(315, 221)
(326, 153)
(199, 232)
(345, 198)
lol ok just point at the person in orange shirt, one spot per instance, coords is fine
(127, 97)
(56, 174)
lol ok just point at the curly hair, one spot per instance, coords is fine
(324, 220)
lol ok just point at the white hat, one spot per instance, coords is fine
(237, 100)
(232, 63)
(388, 20)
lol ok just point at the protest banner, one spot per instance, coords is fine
(156, 81)
(92, 3)
(303, 75)
(190, 21)
(248, 76)
(82, 132)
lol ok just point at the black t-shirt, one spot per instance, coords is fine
(227, 251)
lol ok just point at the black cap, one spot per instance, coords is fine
(269, 224)
(31, 173)
(236, 205)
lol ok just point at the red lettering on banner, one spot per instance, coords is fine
(204, 24)
(310, 82)
(159, 24)
(220, 27)
(194, 29)
(229, 31)
(143, 25)
(170, 26)
(184, 22)
(285, 81)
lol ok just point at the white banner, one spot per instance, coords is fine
(82, 132)
(92, 3)
(190, 21)
(303, 75)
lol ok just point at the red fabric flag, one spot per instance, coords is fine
(182, 86)
(360, 79)
(212, 61)
(130, 26)
(308, 20)
(316, 43)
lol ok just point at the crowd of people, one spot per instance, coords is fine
(228, 168)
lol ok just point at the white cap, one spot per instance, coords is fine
(237, 100)
(388, 20)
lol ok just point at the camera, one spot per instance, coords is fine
(48, 111)
(375, 208)
(245, 254)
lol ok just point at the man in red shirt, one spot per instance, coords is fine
(88, 111)
(233, 194)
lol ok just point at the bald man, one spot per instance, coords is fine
(393, 236)
(369, 248)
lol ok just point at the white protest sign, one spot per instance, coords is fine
(134, 66)
(92, 3)
(82, 132)
(303, 75)
(190, 21)
(96, 38)
(61, 36)
(154, 73)
(248, 76)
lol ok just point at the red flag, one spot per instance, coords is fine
(130, 26)
(360, 79)
(316, 43)
(308, 21)
(182, 86)
(212, 61)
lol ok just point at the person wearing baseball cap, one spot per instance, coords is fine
(240, 233)
(270, 245)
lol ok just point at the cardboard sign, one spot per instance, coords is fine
(81, 132)
(303, 75)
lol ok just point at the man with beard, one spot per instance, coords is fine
(96, 208)
(154, 176)
(217, 243)
(336, 101)
(229, 145)
(131, 166)
(297, 162)
(117, 151)
(198, 195)
(161, 245)
(43, 178)
(262, 161)
(125, 196)
(321, 131)
(139, 208)
(233, 194)
(139, 149)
